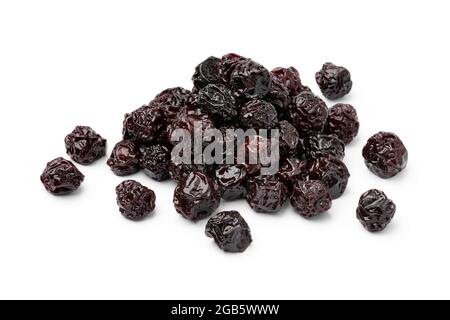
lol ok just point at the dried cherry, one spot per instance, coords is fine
(332, 172)
(334, 81)
(135, 200)
(84, 145)
(144, 125)
(230, 231)
(343, 122)
(206, 73)
(309, 114)
(250, 80)
(375, 210)
(322, 145)
(124, 159)
(61, 177)
(266, 194)
(258, 114)
(310, 198)
(232, 180)
(155, 162)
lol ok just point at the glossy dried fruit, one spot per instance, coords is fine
(124, 159)
(310, 198)
(187, 119)
(144, 125)
(290, 79)
(250, 80)
(332, 172)
(155, 161)
(61, 177)
(177, 171)
(231, 180)
(227, 65)
(289, 139)
(135, 200)
(196, 196)
(206, 73)
(177, 96)
(258, 114)
(334, 81)
(385, 154)
(322, 145)
(279, 97)
(266, 194)
(84, 145)
(293, 170)
(309, 114)
(375, 210)
(230, 231)
(218, 102)
(343, 122)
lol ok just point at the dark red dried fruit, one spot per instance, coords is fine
(253, 147)
(334, 81)
(231, 180)
(61, 177)
(309, 114)
(135, 200)
(343, 122)
(173, 97)
(84, 145)
(218, 102)
(124, 159)
(293, 170)
(250, 80)
(332, 172)
(144, 125)
(322, 145)
(375, 210)
(310, 198)
(196, 196)
(187, 119)
(230, 231)
(290, 79)
(289, 139)
(258, 114)
(227, 65)
(266, 194)
(385, 154)
(155, 161)
(206, 73)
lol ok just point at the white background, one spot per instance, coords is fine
(65, 63)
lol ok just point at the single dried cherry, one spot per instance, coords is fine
(155, 161)
(375, 210)
(218, 102)
(309, 114)
(310, 198)
(124, 159)
(84, 145)
(343, 122)
(230, 231)
(206, 73)
(135, 200)
(231, 180)
(61, 177)
(144, 125)
(266, 194)
(258, 114)
(322, 145)
(334, 81)
(250, 80)
(196, 196)
(385, 154)
(289, 139)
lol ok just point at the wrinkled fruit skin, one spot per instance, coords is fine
(124, 159)
(258, 114)
(323, 145)
(155, 162)
(144, 125)
(178, 171)
(266, 194)
(231, 180)
(293, 170)
(343, 122)
(84, 145)
(279, 97)
(227, 65)
(250, 80)
(230, 231)
(289, 139)
(206, 73)
(61, 177)
(375, 210)
(196, 196)
(177, 96)
(218, 102)
(334, 81)
(135, 200)
(385, 154)
(332, 172)
(309, 114)
(310, 198)
(289, 78)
